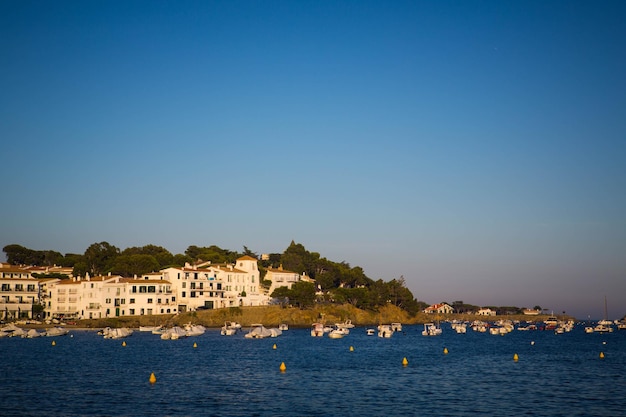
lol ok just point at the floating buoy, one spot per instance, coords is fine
(445, 351)
(601, 355)
(351, 348)
(152, 378)
(283, 368)
(274, 347)
(604, 343)
(405, 362)
(532, 343)
(54, 343)
(515, 357)
(195, 345)
(124, 343)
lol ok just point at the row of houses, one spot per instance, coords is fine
(443, 308)
(169, 291)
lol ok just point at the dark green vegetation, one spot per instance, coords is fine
(335, 283)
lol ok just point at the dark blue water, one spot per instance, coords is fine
(86, 375)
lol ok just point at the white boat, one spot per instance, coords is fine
(602, 328)
(194, 330)
(346, 324)
(149, 328)
(336, 334)
(317, 330)
(173, 333)
(258, 331)
(32, 333)
(116, 333)
(56, 331)
(459, 327)
(384, 330)
(283, 327)
(431, 330)
(370, 332)
(275, 332)
(228, 329)
(396, 327)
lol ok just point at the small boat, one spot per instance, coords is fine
(370, 332)
(275, 332)
(56, 331)
(149, 328)
(384, 330)
(258, 331)
(32, 333)
(317, 330)
(346, 324)
(228, 329)
(335, 334)
(396, 327)
(283, 326)
(431, 330)
(194, 330)
(173, 333)
(115, 333)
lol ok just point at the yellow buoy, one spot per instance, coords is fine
(445, 351)
(351, 348)
(274, 347)
(283, 368)
(405, 362)
(152, 378)
(515, 357)
(54, 343)
(195, 345)
(601, 355)
(123, 343)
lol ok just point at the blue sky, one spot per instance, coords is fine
(475, 148)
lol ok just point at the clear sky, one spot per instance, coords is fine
(476, 148)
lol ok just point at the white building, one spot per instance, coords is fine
(19, 291)
(280, 278)
(486, 312)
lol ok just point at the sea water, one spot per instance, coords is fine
(83, 374)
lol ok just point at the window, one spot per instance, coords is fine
(132, 301)
(184, 294)
(107, 301)
(143, 289)
(6, 287)
(134, 289)
(132, 311)
(149, 300)
(152, 288)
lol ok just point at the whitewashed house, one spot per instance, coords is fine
(485, 312)
(441, 308)
(280, 278)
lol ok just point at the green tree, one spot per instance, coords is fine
(302, 294)
(162, 255)
(131, 265)
(99, 257)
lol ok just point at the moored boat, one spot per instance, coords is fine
(258, 331)
(385, 331)
(317, 330)
(430, 329)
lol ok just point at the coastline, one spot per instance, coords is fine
(272, 316)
